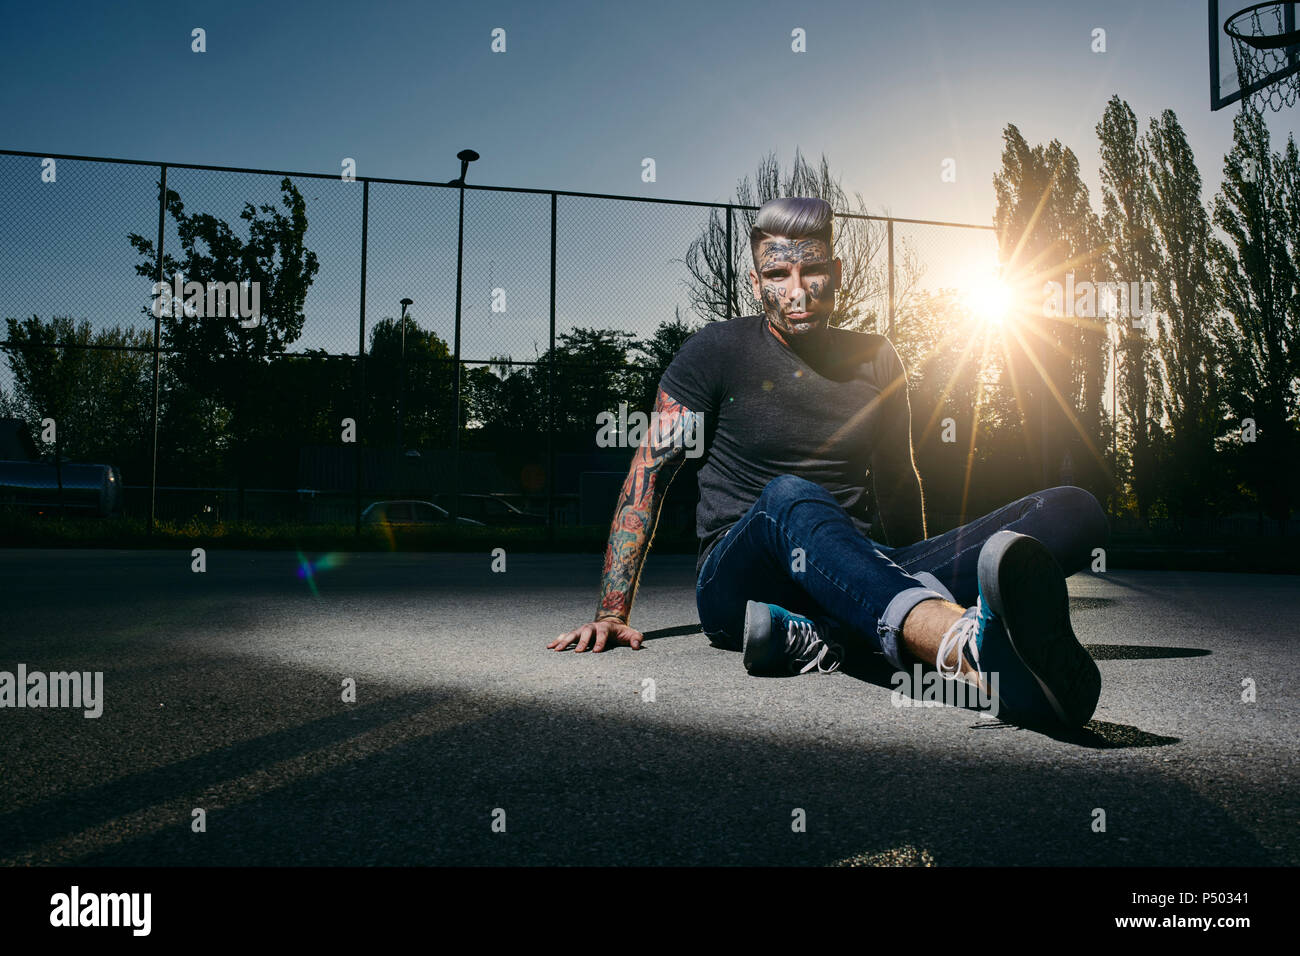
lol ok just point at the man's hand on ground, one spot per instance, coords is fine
(598, 634)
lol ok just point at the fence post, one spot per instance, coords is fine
(889, 229)
(455, 444)
(157, 334)
(731, 277)
(550, 399)
(360, 404)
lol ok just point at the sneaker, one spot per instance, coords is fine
(777, 640)
(1020, 629)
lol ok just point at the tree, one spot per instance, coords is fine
(1258, 209)
(1046, 230)
(505, 401)
(656, 353)
(216, 355)
(956, 373)
(194, 433)
(1127, 220)
(95, 385)
(412, 398)
(592, 375)
(596, 370)
(861, 300)
(1184, 304)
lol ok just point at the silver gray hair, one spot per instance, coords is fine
(794, 217)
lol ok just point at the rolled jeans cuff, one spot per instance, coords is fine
(890, 630)
(930, 581)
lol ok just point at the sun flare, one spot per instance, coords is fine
(988, 300)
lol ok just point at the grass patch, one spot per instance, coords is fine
(23, 530)
(18, 529)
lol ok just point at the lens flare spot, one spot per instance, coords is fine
(307, 569)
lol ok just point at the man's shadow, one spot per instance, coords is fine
(869, 666)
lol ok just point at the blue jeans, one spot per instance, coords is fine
(796, 547)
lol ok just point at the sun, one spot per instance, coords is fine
(989, 300)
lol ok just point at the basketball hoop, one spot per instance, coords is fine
(1265, 41)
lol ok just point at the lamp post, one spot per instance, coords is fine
(466, 156)
(401, 395)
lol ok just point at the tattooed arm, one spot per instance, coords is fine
(656, 462)
(653, 468)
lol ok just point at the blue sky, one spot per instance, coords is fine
(585, 90)
(887, 91)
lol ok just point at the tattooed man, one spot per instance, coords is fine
(798, 416)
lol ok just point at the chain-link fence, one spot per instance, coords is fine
(419, 349)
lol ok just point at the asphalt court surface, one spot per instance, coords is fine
(223, 691)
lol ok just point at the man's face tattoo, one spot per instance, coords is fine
(795, 284)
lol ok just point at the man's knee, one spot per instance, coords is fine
(1078, 510)
(785, 490)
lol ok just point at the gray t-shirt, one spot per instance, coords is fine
(767, 412)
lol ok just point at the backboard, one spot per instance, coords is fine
(1274, 66)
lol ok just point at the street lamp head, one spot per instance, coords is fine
(466, 156)
(407, 302)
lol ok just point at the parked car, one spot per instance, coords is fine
(32, 484)
(407, 512)
(491, 509)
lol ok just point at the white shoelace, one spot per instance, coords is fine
(801, 635)
(960, 636)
